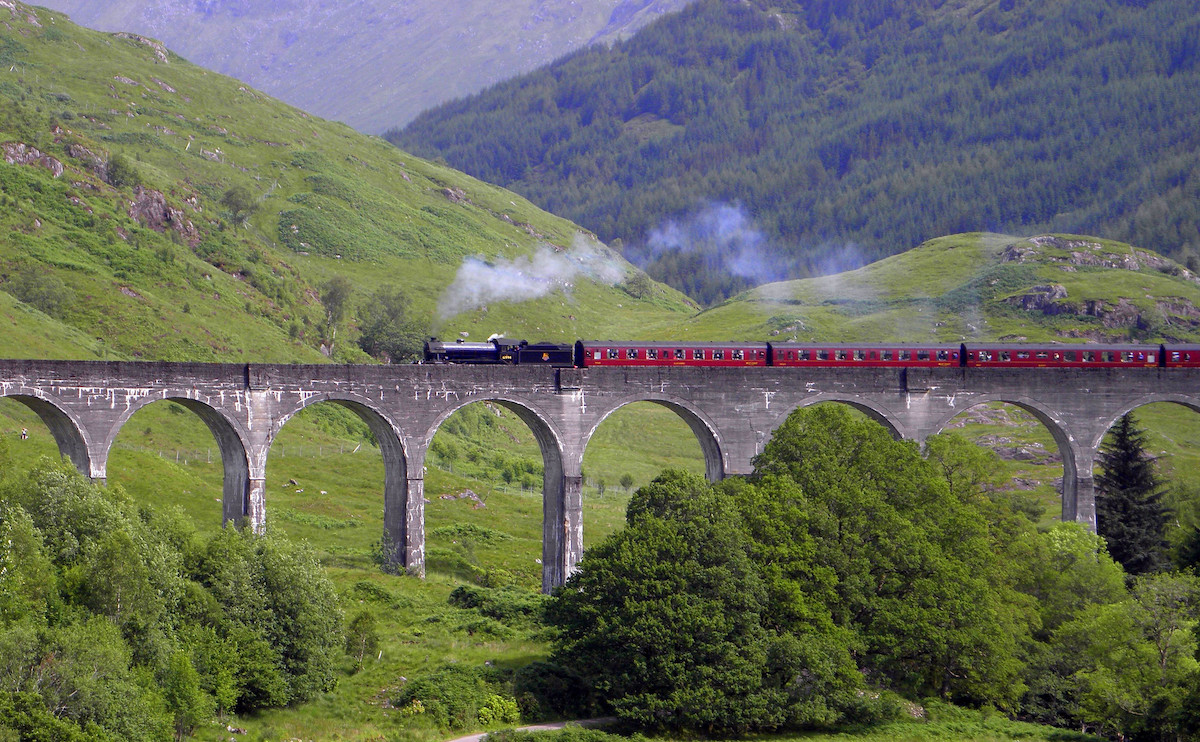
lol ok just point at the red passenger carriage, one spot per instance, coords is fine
(1058, 356)
(813, 354)
(644, 353)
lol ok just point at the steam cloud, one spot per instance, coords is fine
(479, 283)
(726, 236)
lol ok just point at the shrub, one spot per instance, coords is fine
(499, 709)
(451, 696)
(557, 691)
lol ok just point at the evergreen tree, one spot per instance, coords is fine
(1130, 514)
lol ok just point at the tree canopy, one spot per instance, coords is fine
(849, 567)
(120, 623)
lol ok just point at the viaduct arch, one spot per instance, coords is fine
(732, 412)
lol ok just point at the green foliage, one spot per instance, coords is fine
(545, 689)
(511, 606)
(664, 620)
(120, 622)
(120, 172)
(840, 124)
(41, 289)
(387, 329)
(189, 705)
(499, 709)
(451, 697)
(362, 637)
(1130, 514)
(240, 201)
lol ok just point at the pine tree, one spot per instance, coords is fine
(1130, 514)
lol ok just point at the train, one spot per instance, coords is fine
(735, 354)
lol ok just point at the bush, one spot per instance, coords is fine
(499, 710)
(121, 172)
(510, 606)
(451, 696)
(557, 691)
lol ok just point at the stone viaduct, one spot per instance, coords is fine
(731, 411)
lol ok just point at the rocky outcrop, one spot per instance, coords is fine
(93, 161)
(1041, 299)
(157, 47)
(18, 153)
(1088, 253)
(150, 209)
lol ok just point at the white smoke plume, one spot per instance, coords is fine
(726, 235)
(479, 282)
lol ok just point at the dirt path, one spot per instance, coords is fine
(548, 727)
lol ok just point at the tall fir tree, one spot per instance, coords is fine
(1130, 514)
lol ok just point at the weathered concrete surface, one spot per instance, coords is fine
(731, 411)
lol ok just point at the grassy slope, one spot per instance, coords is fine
(330, 201)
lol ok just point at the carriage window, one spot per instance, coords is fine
(1175, 355)
(1042, 355)
(905, 355)
(806, 355)
(840, 355)
(943, 355)
(631, 354)
(985, 355)
(1126, 356)
(1005, 356)
(860, 355)
(679, 354)
(739, 355)
(718, 355)
(1071, 356)
(922, 355)
(1150, 357)
(697, 355)
(822, 355)
(652, 354)
(1108, 356)
(597, 354)
(613, 354)
(1022, 355)
(887, 355)
(1089, 356)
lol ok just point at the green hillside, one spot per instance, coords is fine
(986, 286)
(154, 209)
(783, 139)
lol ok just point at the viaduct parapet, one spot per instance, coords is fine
(731, 411)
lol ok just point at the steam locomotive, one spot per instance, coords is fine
(636, 353)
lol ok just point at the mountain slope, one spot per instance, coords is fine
(980, 286)
(154, 209)
(370, 63)
(846, 132)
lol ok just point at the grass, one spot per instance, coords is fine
(206, 284)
